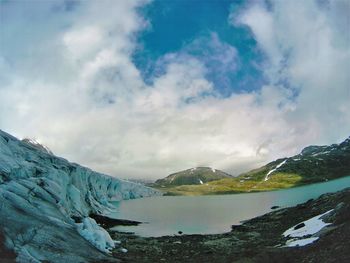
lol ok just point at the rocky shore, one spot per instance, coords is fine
(257, 240)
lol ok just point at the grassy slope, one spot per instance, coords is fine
(236, 185)
(314, 164)
(192, 177)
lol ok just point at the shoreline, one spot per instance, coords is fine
(248, 191)
(256, 240)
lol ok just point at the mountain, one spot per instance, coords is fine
(193, 176)
(314, 164)
(49, 207)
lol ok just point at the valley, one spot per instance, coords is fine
(314, 164)
(56, 211)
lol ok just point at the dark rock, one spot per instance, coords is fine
(275, 207)
(302, 206)
(299, 226)
(241, 228)
(108, 222)
(77, 219)
(309, 201)
(6, 255)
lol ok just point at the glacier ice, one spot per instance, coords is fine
(45, 203)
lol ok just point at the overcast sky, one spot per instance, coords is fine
(146, 88)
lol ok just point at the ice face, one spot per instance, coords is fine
(40, 194)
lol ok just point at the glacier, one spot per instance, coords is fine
(45, 203)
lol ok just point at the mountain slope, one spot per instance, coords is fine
(193, 176)
(46, 203)
(314, 164)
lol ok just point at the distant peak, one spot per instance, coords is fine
(196, 175)
(37, 145)
(31, 141)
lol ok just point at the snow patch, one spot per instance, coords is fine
(301, 232)
(97, 235)
(172, 179)
(273, 170)
(300, 242)
(321, 153)
(213, 170)
(311, 226)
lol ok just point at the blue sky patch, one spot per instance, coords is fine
(204, 32)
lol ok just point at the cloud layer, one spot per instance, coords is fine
(68, 80)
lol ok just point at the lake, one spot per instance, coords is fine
(166, 215)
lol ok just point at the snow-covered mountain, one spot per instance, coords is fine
(193, 176)
(45, 203)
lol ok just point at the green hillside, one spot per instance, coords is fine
(314, 164)
(193, 176)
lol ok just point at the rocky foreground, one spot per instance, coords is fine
(257, 240)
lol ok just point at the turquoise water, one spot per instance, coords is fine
(166, 215)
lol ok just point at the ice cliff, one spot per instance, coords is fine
(45, 203)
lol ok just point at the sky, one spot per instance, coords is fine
(142, 89)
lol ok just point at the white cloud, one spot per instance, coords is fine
(83, 41)
(262, 23)
(220, 59)
(308, 46)
(75, 88)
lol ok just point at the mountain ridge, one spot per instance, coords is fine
(313, 164)
(193, 176)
